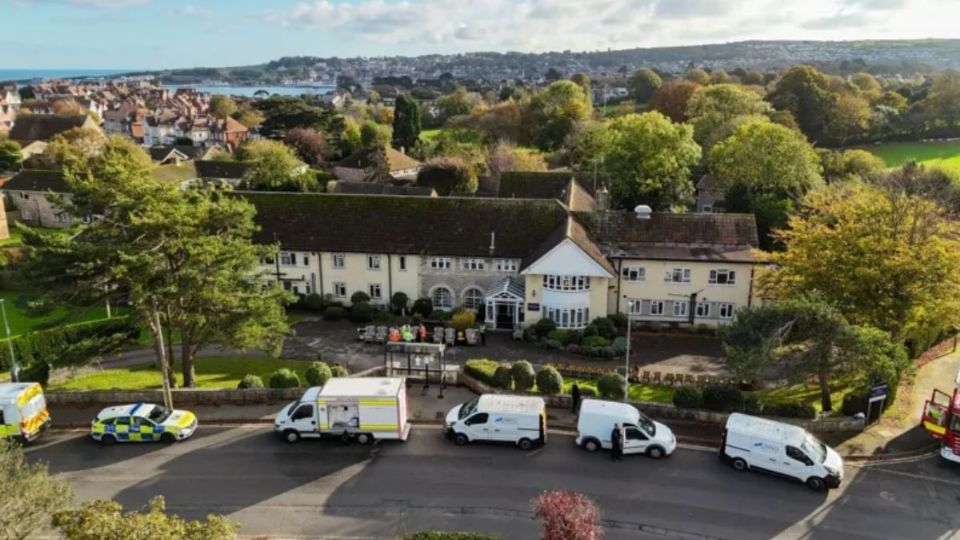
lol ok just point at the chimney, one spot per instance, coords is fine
(642, 211)
(493, 242)
(603, 199)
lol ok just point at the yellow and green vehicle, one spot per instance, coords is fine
(142, 422)
(23, 411)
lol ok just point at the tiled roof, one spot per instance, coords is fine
(690, 236)
(561, 186)
(221, 169)
(573, 230)
(391, 224)
(161, 152)
(364, 159)
(37, 180)
(376, 188)
(43, 127)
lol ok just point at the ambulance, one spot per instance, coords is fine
(352, 408)
(23, 411)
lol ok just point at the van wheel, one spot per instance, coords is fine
(460, 439)
(108, 440)
(168, 438)
(525, 444)
(364, 438)
(291, 436)
(816, 483)
(740, 465)
(591, 445)
(655, 452)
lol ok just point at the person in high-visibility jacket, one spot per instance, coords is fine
(23, 411)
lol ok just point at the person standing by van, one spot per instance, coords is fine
(575, 397)
(616, 437)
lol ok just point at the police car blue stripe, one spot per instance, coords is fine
(135, 407)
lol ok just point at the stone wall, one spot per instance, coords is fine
(181, 396)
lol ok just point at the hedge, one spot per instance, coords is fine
(250, 381)
(361, 312)
(503, 377)
(73, 344)
(688, 397)
(481, 369)
(523, 375)
(790, 409)
(611, 385)
(318, 374)
(723, 398)
(284, 378)
(549, 381)
(334, 313)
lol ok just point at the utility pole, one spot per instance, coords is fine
(626, 358)
(14, 366)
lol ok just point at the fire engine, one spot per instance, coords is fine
(941, 419)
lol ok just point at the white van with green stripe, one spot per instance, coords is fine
(361, 409)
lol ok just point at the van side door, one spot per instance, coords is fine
(478, 427)
(636, 441)
(304, 419)
(795, 463)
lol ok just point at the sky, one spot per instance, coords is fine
(156, 34)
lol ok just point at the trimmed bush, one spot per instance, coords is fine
(359, 297)
(339, 371)
(439, 315)
(619, 320)
(399, 301)
(284, 378)
(503, 377)
(422, 307)
(334, 313)
(587, 392)
(481, 369)
(551, 345)
(603, 327)
(619, 346)
(549, 380)
(312, 302)
(72, 345)
(361, 312)
(595, 342)
(523, 375)
(318, 374)
(611, 385)
(544, 326)
(250, 381)
(723, 398)
(688, 397)
(752, 404)
(463, 319)
(790, 409)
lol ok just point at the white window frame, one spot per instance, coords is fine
(439, 305)
(440, 263)
(657, 307)
(506, 265)
(634, 273)
(703, 310)
(726, 310)
(473, 264)
(288, 258)
(682, 273)
(467, 299)
(723, 276)
(376, 291)
(373, 262)
(339, 289)
(635, 307)
(553, 282)
(339, 261)
(568, 318)
(681, 309)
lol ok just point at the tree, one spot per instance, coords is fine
(642, 84)
(310, 144)
(672, 98)
(712, 106)
(882, 257)
(867, 84)
(29, 495)
(943, 99)
(448, 175)
(719, 76)
(222, 106)
(555, 111)
(271, 166)
(374, 135)
(806, 93)
(698, 76)
(752, 77)
(893, 100)
(567, 515)
(456, 103)
(283, 113)
(583, 81)
(181, 259)
(10, 155)
(584, 146)
(649, 161)
(499, 122)
(848, 165)
(105, 519)
(406, 123)
(248, 116)
(849, 118)
(504, 157)
(66, 106)
(72, 150)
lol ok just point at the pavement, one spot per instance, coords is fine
(324, 489)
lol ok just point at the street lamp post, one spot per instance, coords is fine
(626, 358)
(14, 367)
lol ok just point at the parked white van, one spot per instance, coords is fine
(519, 420)
(643, 435)
(783, 449)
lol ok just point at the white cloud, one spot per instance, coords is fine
(536, 25)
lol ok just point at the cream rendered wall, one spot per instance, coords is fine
(598, 297)
(355, 275)
(533, 292)
(405, 281)
(303, 275)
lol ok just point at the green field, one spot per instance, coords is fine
(22, 319)
(943, 154)
(212, 372)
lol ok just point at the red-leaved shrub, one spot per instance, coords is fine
(567, 515)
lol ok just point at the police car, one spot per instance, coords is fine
(142, 422)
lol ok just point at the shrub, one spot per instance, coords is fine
(620, 346)
(722, 397)
(359, 297)
(318, 374)
(399, 301)
(439, 315)
(448, 175)
(503, 377)
(38, 372)
(567, 515)
(448, 535)
(250, 381)
(523, 375)
(74, 344)
(595, 341)
(422, 307)
(549, 380)
(552, 345)
(284, 378)
(588, 392)
(752, 404)
(334, 313)
(312, 302)
(790, 409)
(603, 327)
(544, 326)
(339, 371)
(619, 320)
(481, 369)
(611, 385)
(463, 319)
(361, 312)
(688, 397)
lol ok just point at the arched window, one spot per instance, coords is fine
(442, 298)
(473, 298)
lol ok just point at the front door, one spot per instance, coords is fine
(636, 441)
(505, 315)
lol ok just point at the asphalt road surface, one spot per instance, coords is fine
(325, 489)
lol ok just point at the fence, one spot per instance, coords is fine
(943, 348)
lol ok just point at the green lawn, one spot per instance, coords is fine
(807, 393)
(945, 154)
(16, 237)
(638, 392)
(212, 372)
(428, 135)
(22, 319)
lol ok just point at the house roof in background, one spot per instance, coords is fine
(43, 127)
(220, 169)
(37, 180)
(562, 186)
(366, 159)
(375, 188)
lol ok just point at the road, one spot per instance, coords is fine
(324, 489)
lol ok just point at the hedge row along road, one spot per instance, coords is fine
(318, 488)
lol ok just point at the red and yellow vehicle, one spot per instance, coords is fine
(941, 419)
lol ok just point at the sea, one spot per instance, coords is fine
(30, 74)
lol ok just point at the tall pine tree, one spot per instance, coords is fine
(406, 123)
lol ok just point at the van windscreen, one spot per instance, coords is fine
(468, 408)
(647, 425)
(814, 448)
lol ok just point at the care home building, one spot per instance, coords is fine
(513, 260)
